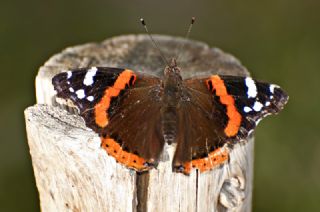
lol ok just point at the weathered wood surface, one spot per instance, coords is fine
(74, 174)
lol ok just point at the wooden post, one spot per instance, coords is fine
(74, 174)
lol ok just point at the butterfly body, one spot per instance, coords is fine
(172, 94)
(135, 114)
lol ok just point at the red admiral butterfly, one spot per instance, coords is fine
(136, 114)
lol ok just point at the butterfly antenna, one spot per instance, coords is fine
(153, 41)
(193, 19)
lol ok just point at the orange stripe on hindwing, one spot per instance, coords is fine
(128, 159)
(214, 159)
(215, 83)
(101, 109)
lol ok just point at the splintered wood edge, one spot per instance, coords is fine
(72, 171)
(228, 187)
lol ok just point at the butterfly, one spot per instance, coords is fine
(136, 114)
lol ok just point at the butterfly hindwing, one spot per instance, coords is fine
(200, 138)
(136, 124)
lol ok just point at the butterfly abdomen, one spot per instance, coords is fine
(170, 101)
(169, 124)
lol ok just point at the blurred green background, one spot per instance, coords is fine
(277, 40)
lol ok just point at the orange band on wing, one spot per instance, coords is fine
(128, 159)
(234, 122)
(101, 108)
(214, 159)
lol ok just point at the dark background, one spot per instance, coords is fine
(278, 40)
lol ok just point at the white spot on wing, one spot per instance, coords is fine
(257, 106)
(69, 74)
(71, 90)
(90, 98)
(247, 109)
(80, 94)
(252, 89)
(272, 87)
(267, 103)
(88, 79)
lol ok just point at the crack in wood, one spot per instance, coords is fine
(142, 182)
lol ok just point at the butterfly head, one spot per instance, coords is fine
(172, 68)
(173, 63)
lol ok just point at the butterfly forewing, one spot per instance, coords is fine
(85, 86)
(111, 100)
(254, 100)
(240, 102)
